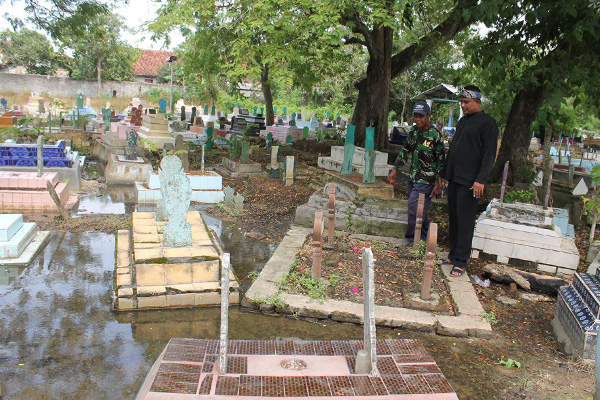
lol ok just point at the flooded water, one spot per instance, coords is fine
(59, 338)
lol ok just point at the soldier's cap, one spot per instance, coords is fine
(421, 108)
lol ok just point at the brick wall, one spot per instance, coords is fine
(67, 87)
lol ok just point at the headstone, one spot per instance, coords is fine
(106, 118)
(369, 175)
(210, 141)
(331, 224)
(131, 151)
(245, 150)
(254, 111)
(305, 131)
(236, 110)
(213, 110)
(40, 155)
(176, 191)
(136, 116)
(193, 116)
(580, 189)
(224, 331)
(539, 178)
(419, 221)
(289, 167)
(348, 151)
(270, 139)
(317, 245)
(182, 151)
(167, 168)
(88, 102)
(429, 261)
(288, 141)
(366, 360)
(80, 100)
(262, 111)
(107, 104)
(162, 106)
(293, 120)
(238, 204)
(183, 118)
(41, 107)
(274, 171)
(228, 192)
(504, 178)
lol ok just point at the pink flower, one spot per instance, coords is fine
(354, 290)
(355, 249)
(340, 264)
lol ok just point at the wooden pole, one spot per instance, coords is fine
(419, 222)
(65, 215)
(317, 245)
(429, 262)
(331, 225)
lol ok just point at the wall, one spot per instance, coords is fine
(67, 87)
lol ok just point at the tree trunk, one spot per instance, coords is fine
(266, 89)
(548, 163)
(99, 70)
(373, 102)
(517, 135)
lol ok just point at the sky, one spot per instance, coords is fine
(135, 13)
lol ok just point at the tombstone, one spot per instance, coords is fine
(222, 123)
(136, 116)
(176, 192)
(348, 151)
(284, 110)
(504, 177)
(269, 139)
(210, 141)
(131, 151)
(167, 168)
(366, 360)
(233, 149)
(302, 116)
(419, 221)
(41, 107)
(279, 121)
(338, 120)
(79, 100)
(288, 168)
(580, 189)
(245, 158)
(288, 141)
(262, 111)
(429, 261)
(183, 113)
(538, 179)
(369, 175)
(238, 204)
(162, 106)
(254, 111)
(236, 110)
(107, 106)
(182, 151)
(213, 109)
(4, 102)
(106, 118)
(40, 155)
(293, 120)
(305, 131)
(228, 199)
(193, 116)
(224, 329)
(331, 222)
(317, 245)
(274, 171)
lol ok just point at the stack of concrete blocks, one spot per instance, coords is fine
(149, 275)
(336, 160)
(206, 188)
(577, 320)
(19, 241)
(526, 232)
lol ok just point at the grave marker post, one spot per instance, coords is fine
(429, 261)
(331, 225)
(366, 360)
(224, 331)
(317, 245)
(504, 177)
(419, 221)
(40, 155)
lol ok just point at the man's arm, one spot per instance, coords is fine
(489, 137)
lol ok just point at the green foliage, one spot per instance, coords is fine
(419, 253)
(489, 317)
(509, 363)
(28, 48)
(301, 282)
(520, 195)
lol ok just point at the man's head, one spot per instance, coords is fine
(470, 99)
(421, 115)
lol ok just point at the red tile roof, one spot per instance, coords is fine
(150, 61)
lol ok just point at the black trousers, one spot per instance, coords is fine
(462, 209)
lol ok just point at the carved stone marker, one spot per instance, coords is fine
(170, 167)
(269, 139)
(366, 360)
(228, 192)
(369, 175)
(40, 155)
(274, 171)
(419, 221)
(504, 177)
(429, 261)
(238, 204)
(209, 138)
(305, 131)
(289, 167)
(176, 191)
(331, 224)
(131, 151)
(224, 331)
(348, 151)
(162, 106)
(317, 245)
(182, 150)
(245, 150)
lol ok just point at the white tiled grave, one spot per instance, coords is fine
(336, 161)
(19, 241)
(525, 232)
(206, 188)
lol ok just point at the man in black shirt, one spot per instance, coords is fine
(470, 159)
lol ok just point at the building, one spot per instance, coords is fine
(146, 68)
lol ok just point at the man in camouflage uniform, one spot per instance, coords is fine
(424, 148)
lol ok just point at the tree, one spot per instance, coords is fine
(28, 48)
(540, 54)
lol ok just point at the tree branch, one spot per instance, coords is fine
(354, 40)
(359, 28)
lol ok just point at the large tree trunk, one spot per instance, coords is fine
(517, 135)
(373, 103)
(266, 89)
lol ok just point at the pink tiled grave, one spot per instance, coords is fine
(256, 369)
(25, 190)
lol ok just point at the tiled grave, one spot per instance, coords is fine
(577, 320)
(236, 169)
(275, 368)
(336, 160)
(526, 232)
(156, 131)
(280, 133)
(149, 275)
(27, 191)
(19, 241)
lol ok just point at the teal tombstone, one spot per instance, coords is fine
(327, 115)
(106, 118)
(275, 110)
(269, 139)
(236, 105)
(210, 141)
(369, 175)
(80, 100)
(245, 149)
(305, 131)
(284, 110)
(288, 141)
(176, 192)
(213, 110)
(293, 120)
(348, 150)
(262, 111)
(206, 109)
(232, 147)
(162, 106)
(254, 110)
(280, 121)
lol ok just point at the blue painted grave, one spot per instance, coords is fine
(12, 154)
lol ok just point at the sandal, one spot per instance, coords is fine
(457, 271)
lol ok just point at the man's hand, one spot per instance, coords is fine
(477, 189)
(437, 191)
(392, 175)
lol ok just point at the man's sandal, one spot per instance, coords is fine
(457, 271)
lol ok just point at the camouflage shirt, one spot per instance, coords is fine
(425, 152)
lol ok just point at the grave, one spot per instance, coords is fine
(206, 187)
(156, 130)
(8, 119)
(335, 161)
(280, 133)
(171, 261)
(527, 235)
(21, 190)
(80, 110)
(19, 241)
(33, 107)
(383, 217)
(233, 168)
(128, 168)
(577, 319)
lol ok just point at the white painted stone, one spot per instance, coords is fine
(547, 268)
(580, 189)
(478, 242)
(474, 253)
(498, 247)
(538, 179)
(566, 271)
(529, 253)
(503, 260)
